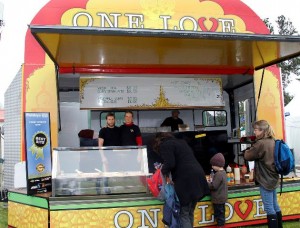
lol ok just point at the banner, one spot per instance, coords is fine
(149, 92)
(38, 152)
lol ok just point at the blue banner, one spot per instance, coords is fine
(38, 152)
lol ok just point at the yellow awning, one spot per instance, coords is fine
(104, 47)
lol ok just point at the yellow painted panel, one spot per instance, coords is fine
(238, 210)
(148, 15)
(264, 52)
(41, 95)
(270, 104)
(20, 215)
(52, 40)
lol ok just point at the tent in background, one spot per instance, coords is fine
(292, 124)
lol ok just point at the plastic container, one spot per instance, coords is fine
(231, 178)
(228, 177)
(247, 176)
(251, 175)
(237, 175)
(228, 174)
(244, 170)
(228, 169)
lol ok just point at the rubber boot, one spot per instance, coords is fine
(279, 219)
(272, 221)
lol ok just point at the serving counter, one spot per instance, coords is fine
(106, 187)
(244, 207)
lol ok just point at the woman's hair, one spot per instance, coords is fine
(159, 138)
(264, 126)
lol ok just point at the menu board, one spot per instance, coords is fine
(149, 92)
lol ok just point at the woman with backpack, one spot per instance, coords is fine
(188, 176)
(262, 153)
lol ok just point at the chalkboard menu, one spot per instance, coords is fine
(149, 92)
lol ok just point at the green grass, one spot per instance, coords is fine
(3, 215)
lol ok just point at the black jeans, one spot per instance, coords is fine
(187, 215)
(219, 211)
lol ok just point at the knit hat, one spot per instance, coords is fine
(218, 160)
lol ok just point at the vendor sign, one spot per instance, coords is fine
(38, 152)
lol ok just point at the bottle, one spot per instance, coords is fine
(228, 171)
(251, 177)
(228, 178)
(237, 176)
(244, 170)
(231, 178)
(238, 133)
(212, 175)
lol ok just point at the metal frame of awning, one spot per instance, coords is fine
(117, 35)
(159, 33)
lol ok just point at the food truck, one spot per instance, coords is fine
(215, 61)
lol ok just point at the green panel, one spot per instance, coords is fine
(248, 192)
(105, 205)
(235, 195)
(243, 194)
(289, 189)
(28, 200)
(68, 205)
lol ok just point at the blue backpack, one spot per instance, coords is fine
(171, 209)
(284, 159)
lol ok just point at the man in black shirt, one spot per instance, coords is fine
(173, 121)
(109, 135)
(130, 133)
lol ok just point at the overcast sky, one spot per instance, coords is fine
(19, 13)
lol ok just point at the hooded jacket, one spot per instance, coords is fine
(187, 173)
(262, 152)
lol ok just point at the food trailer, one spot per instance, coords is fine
(212, 60)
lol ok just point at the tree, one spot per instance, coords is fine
(285, 28)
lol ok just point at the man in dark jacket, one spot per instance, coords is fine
(173, 121)
(187, 174)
